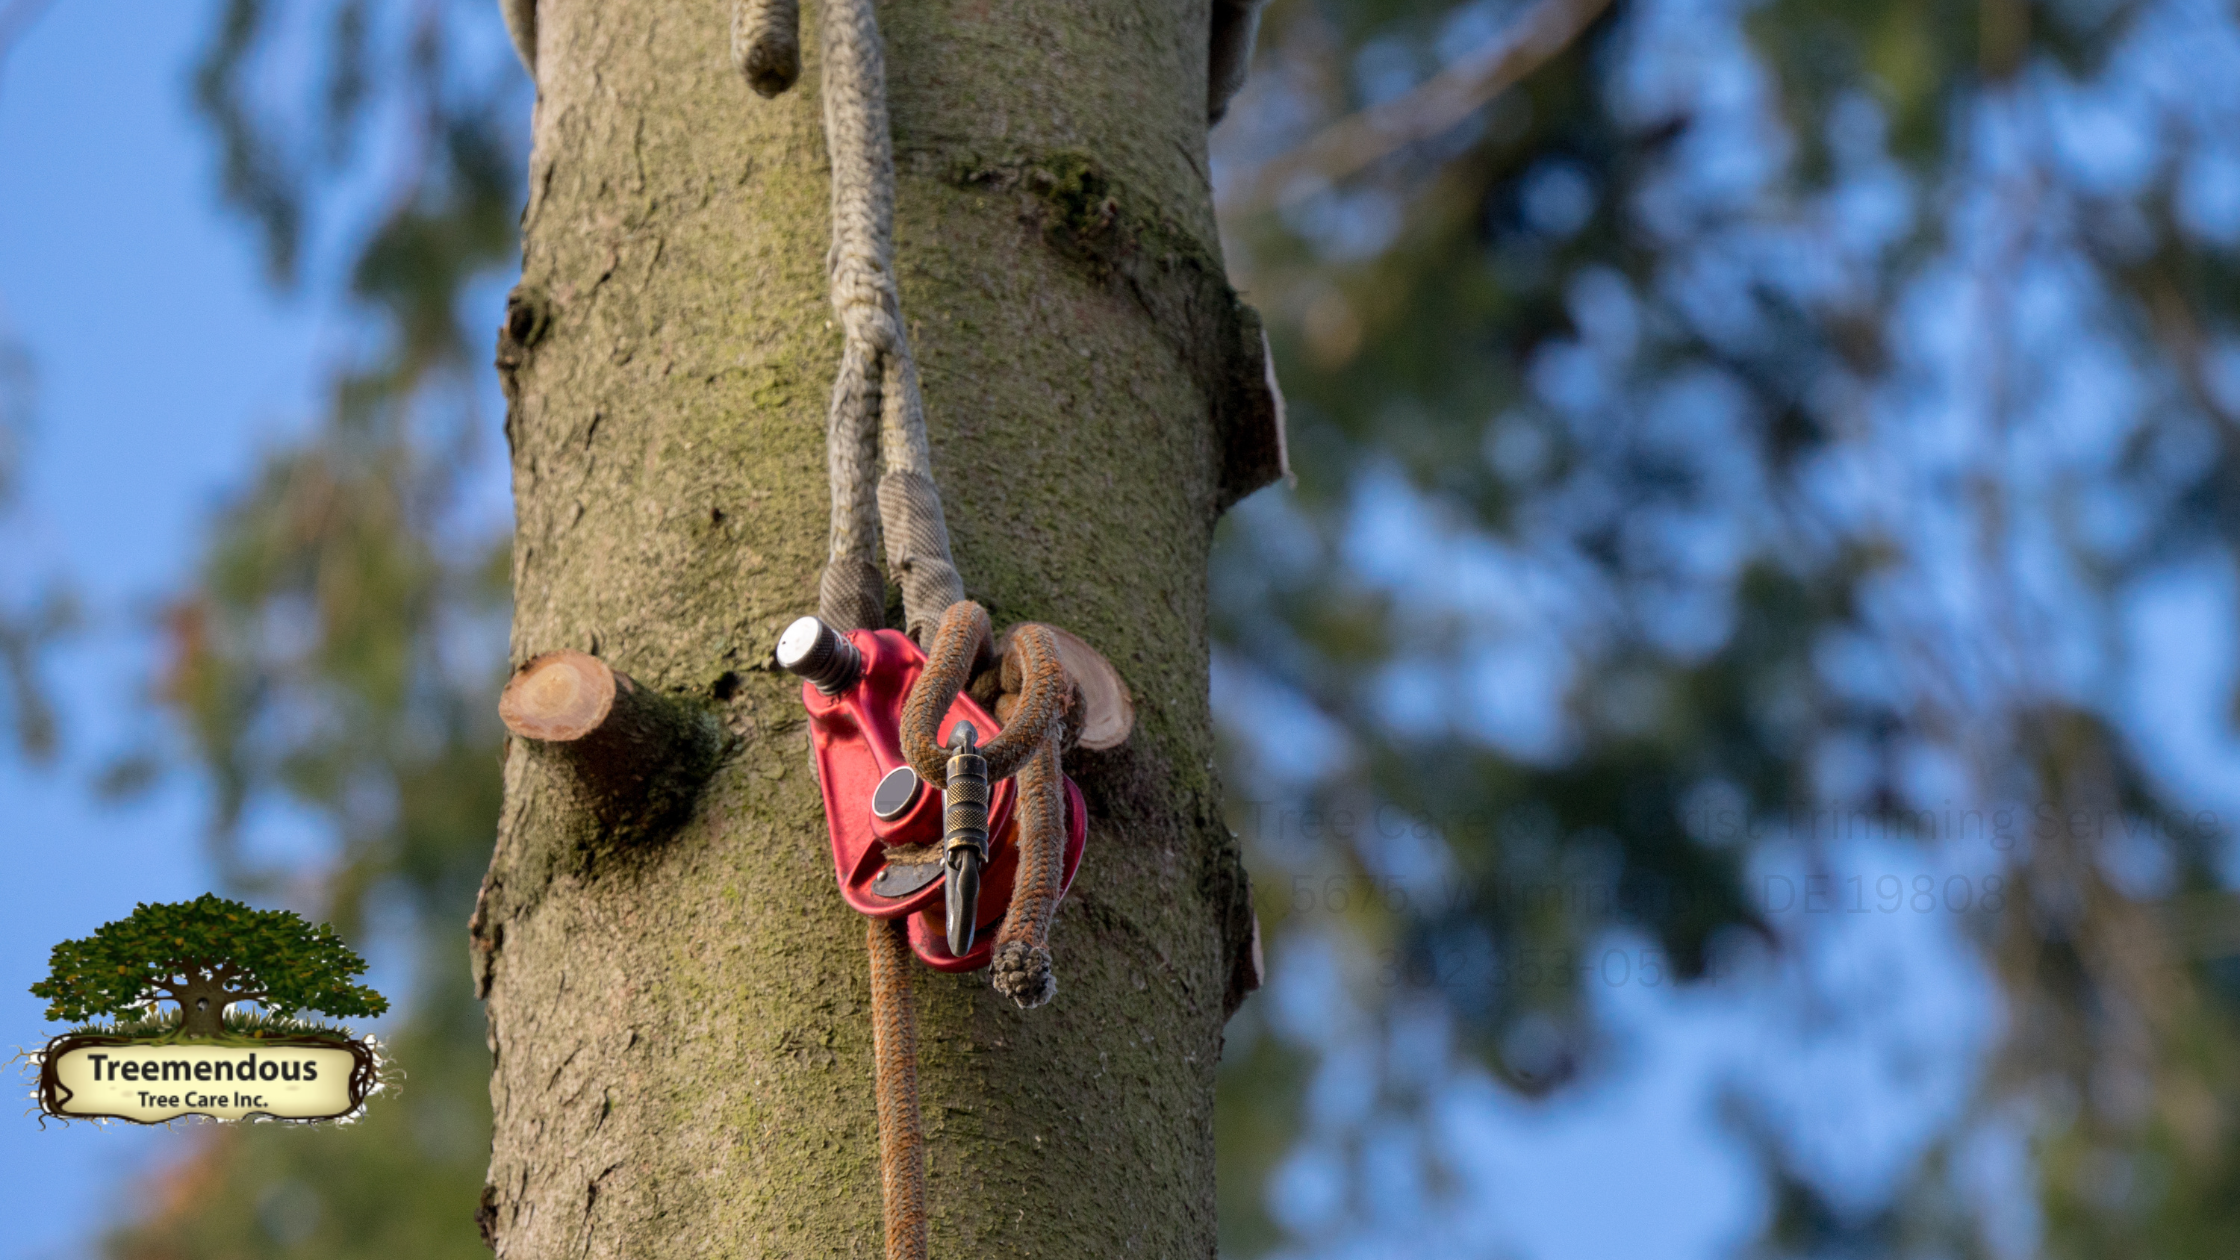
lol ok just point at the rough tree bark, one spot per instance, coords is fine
(680, 1017)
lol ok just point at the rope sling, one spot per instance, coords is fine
(876, 421)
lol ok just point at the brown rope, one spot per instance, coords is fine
(957, 645)
(1040, 696)
(1021, 966)
(1038, 700)
(1032, 669)
(877, 414)
(894, 1055)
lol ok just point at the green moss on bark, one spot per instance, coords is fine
(683, 1033)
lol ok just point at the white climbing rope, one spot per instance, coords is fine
(877, 418)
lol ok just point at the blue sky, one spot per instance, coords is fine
(163, 365)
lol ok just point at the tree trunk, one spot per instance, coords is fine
(681, 1023)
(202, 1006)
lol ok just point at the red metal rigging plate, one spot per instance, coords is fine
(856, 739)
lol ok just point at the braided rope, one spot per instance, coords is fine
(877, 417)
(875, 407)
(1021, 966)
(918, 549)
(1032, 669)
(766, 44)
(876, 391)
(894, 1053)
(1034, 680)
(957, 644)
(851, 594)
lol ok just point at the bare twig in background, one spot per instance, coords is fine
(1348, 145)
(16, 17)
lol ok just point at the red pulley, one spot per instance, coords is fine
(885, 823)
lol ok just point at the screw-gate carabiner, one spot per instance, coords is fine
(964, 825)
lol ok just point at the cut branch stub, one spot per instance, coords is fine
(1109, 711)
(1102, 713)
(636, 757)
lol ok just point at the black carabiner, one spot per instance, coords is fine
(964, 845)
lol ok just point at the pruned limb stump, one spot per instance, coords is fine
(1102, 714)
(1108, 712)
(636, 758)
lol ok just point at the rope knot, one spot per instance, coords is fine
(766, 44)
(1022, 973)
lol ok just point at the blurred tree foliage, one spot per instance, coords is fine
(1756, 410)
(30, 623)
(337, 655)
(27, 626)
(1740, 436)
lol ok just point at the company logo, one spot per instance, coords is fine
(170, 979)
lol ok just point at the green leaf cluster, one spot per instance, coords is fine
(274, 957)
(242, 1027)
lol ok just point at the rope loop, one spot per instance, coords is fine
(964, 640)
(878, 460)
(766, 44)
(1040, 694)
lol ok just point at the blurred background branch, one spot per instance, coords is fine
(16, 17)
(1733, 728)
(1351, 144)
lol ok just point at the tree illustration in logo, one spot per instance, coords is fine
(204, 955)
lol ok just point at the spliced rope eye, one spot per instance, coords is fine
(879, 465)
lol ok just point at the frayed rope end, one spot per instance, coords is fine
(1022, 973)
